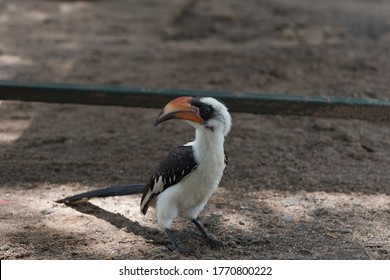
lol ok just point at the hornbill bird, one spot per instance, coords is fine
(186, 178)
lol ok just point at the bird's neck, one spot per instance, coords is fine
(208, 144)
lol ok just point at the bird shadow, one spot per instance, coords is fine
(151, 235)
(121, 222)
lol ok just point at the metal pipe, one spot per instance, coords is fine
(257, 103)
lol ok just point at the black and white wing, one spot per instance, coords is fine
(173, 168)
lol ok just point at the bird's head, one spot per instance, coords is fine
(201, 112)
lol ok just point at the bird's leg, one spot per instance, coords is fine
(174, 245)
(209, 239)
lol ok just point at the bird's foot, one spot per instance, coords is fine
(212, 242)
(174, 246)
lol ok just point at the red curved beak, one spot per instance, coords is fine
(179, 108)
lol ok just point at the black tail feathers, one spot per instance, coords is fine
(110, 191)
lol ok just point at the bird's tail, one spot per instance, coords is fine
(105, 192)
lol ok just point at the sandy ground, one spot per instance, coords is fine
(295, 188)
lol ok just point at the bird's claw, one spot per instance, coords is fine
(214, 243)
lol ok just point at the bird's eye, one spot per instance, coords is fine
(206, 112)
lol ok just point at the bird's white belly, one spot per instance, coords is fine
(197, 188)
(190, 195)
